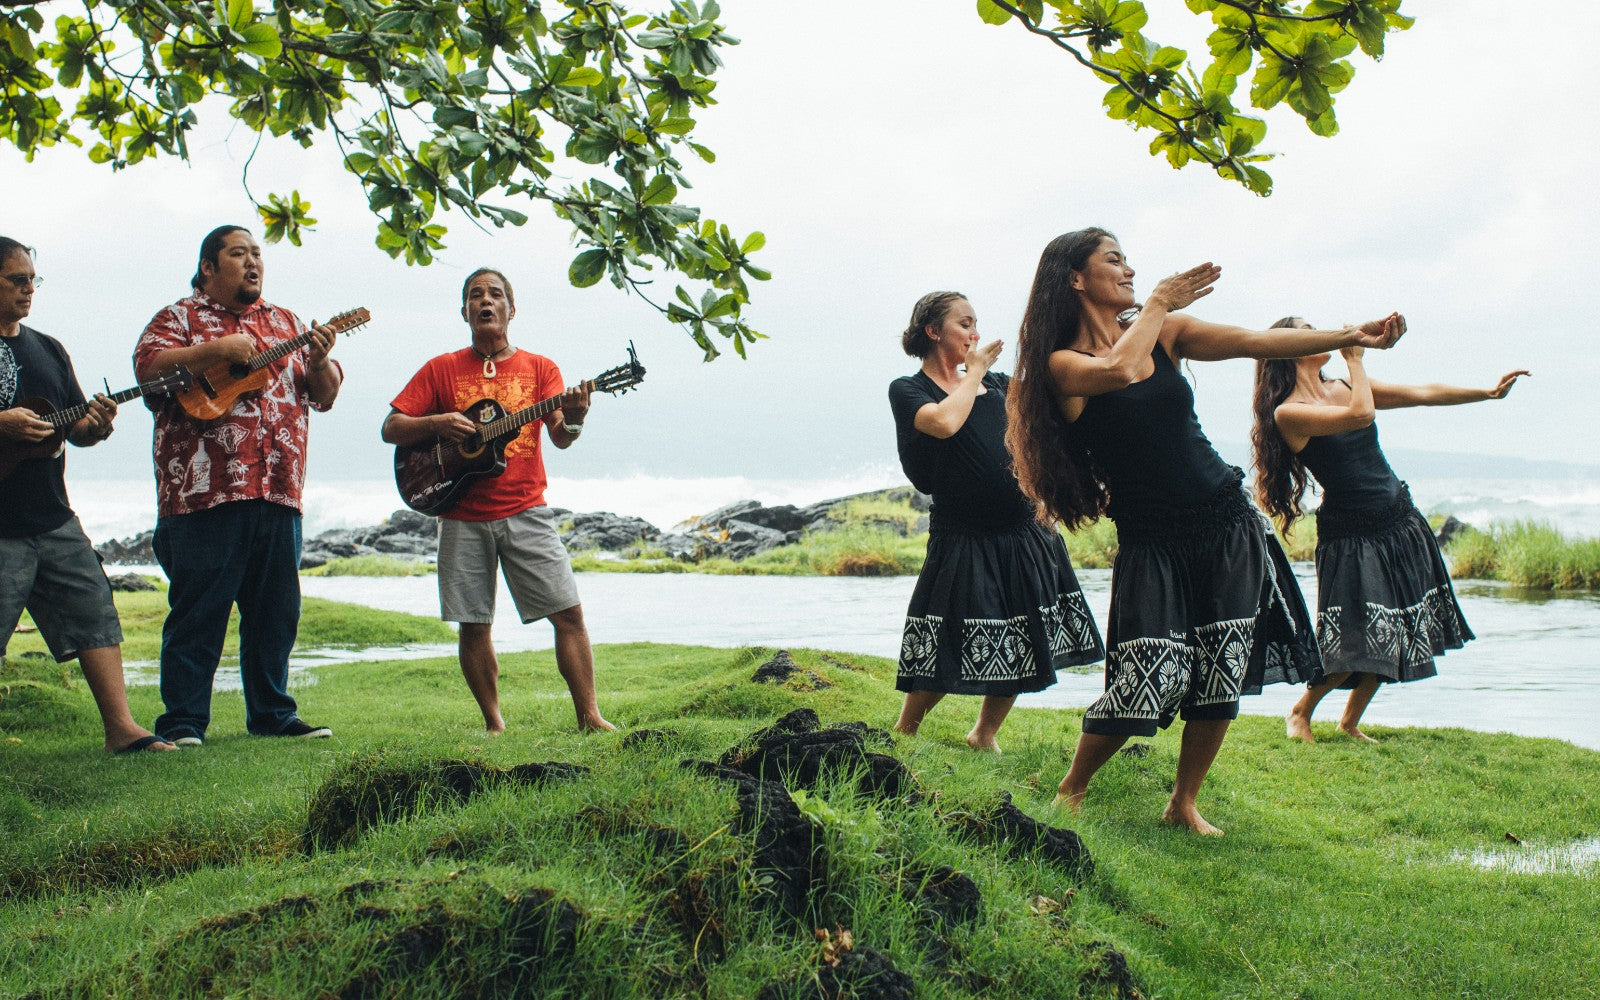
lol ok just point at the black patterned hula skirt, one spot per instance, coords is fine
(1384, 601)
(1204, 608)
(996, 611)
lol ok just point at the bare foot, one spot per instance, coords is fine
(1190, 817)
(904, 729)
(1298, 727)
(495, 728)
(596, 725)
(1071, 803)
(1356, 734)
(977, 744)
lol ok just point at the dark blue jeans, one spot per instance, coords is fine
(245, 552)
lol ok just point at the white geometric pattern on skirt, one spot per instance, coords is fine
(997, 649)
(1403, 636)
(919, 646)
(1154, 678)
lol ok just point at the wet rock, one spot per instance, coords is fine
(365, 795)
(788, 847)
(638, 739)
(1024, 835)
(605, 531)
(863, 973)
(1111, 968)
(128, 582)
(1449, 530)
(949, 896)
(781, 669)
(129, 551)
(796, 750)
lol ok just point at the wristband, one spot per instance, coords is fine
(574, 429)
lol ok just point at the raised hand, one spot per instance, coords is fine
(1352, 352)
(1381, 334)
(575, 403)
(321, 343)
(1177, 291)
(1507, 380)
(981, 359)
(102, 411)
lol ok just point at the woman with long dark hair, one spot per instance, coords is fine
(1204, 607)
(997, 609)
(1385, 607)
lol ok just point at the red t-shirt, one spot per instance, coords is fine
(455, 381)
(257, 451)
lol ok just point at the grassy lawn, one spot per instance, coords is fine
(193, 874)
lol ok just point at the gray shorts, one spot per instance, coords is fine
(57, 577)
(527, 549)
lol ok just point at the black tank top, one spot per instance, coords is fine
(1149, 446)
(1351, 470)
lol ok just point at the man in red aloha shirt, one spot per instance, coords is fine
(228, 492)
(501, 521)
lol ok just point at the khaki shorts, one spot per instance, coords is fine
(57, 577)
(525, 547)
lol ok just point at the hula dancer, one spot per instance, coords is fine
(996, 610)
(1385, 607)
(1204, 607)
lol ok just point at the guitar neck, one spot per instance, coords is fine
(521, 418)
(273, 353)
(72, 414)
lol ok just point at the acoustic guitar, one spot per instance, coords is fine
(218, 387)
(432, 477)
(14, 453)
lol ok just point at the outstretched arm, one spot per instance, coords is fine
(1199, 340)
(1394, 397)
(1300, 422)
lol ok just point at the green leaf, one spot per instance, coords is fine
(752, 243)
(992, 13)
(587, 268)
(240, 14)
(582, 76)
(660, 191)
(261, 39)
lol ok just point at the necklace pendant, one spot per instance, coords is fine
(489, 370)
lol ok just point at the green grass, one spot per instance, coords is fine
(1530, 554)
(372, 565)
(323, 625)
(186, 874)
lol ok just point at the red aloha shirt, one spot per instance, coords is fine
(255, 452)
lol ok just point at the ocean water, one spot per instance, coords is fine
(118, 508)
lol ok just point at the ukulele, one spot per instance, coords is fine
(217, 388)
(13, 453)
(432, 477)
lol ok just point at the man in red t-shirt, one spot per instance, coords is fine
(501, 521)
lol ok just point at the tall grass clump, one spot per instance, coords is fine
(1093, 546)
(371, 565)
(851, 550)
(1532, 554)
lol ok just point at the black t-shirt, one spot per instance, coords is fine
(968, 474)
(35, 495)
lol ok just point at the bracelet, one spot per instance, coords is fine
(574, 429)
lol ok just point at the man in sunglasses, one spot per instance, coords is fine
(47, 565)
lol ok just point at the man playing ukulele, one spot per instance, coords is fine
(46, 562)
(500, 520)
(228, 492)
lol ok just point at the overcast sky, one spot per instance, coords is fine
(885, 156)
